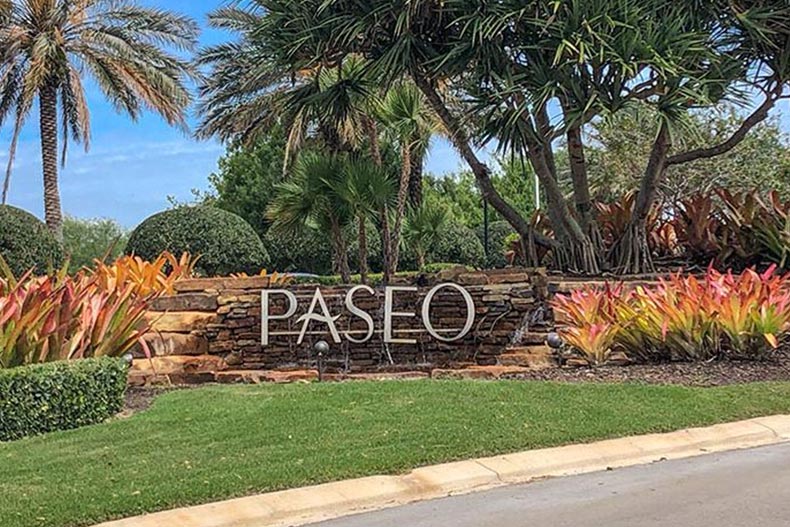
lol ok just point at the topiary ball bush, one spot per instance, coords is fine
(26, 243)
(225, 242)
(304, 252)
(455, 244)
(458, 244)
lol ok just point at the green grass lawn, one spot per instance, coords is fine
(196, 446)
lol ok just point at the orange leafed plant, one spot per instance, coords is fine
(275, 278)
(680, 318)
(591, 314)
(59, 317)
(158, 276)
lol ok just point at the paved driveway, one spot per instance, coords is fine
(736, 489)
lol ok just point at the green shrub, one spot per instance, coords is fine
(498, 233)
(86, 240)
(457, 244)
(26, 243)
(60, 395)
(306, 252)
(225, 242)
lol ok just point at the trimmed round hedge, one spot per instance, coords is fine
(225, 242)
(459, 244)
(305, 252)
(455, 244)
(26, 243)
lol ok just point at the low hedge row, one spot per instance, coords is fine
(60, 395)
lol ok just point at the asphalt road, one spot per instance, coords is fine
(736, 489)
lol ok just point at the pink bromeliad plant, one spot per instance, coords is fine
(680, 318)
(59, 317)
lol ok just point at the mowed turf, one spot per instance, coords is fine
(196, 446)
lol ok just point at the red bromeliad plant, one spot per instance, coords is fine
(60, 317)
(591, 315)
(680, 318)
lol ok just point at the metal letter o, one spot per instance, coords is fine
(470, 312)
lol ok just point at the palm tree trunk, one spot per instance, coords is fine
(371, 130)
(403, 194)
(415, 178)
(386, 237)
(386, 244)
(341, 254)
(363, 250)
(48, 123)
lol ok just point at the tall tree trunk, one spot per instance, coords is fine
(386, 245)
(581, 186)
(371, 130)
(12, 153)
(403, 194)
(341, 252)
(48, 123)
(415, 178)
(363, 250)
(576, 251)
(385, 234)
(585, 209)
(632, 253)
(482, 174)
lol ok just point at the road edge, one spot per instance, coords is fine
(316, 503)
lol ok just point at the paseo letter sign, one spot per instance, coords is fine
(319, 312)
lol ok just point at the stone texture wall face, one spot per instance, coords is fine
(220, 320)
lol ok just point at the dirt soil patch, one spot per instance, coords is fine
(716, 373)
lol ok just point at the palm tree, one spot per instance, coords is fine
(310, 197)
(130, 51)
(423, 227)
(367, 190)
(406, 115)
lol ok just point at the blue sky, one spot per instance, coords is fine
(131, 167)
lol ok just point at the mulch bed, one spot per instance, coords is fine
(717, 373)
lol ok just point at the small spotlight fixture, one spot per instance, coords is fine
(554, 341)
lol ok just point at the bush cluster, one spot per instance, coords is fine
(458, 244)
(225, 242)
(60, 395)
(498, 234)
(26, 243)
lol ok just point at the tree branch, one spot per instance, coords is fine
(759, 115)
(461, 142)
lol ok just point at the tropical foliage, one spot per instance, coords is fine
(96, 312)
(59, 317)
(682, 318)
(491, 74)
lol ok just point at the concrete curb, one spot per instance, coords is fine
(332, 500)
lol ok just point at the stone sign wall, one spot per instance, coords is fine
(215, 325)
